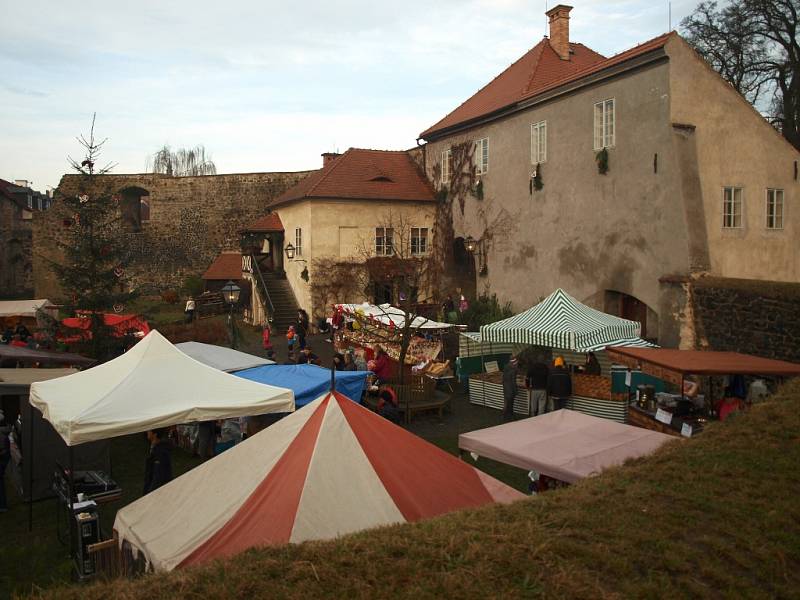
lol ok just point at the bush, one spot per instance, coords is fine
(485, 309)
(169, 296)
(193, 285)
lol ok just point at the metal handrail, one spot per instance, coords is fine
(257, 271)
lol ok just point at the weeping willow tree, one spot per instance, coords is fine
(182, 162)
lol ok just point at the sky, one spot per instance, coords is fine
(264, 85)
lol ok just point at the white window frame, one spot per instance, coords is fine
(298, 241)
(538, 142)
(729, 201)
(605, 129)
(447, 163)
(421, 241)
(386, 237)
(775, 199)
(482, 156)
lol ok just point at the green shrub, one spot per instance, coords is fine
(485, 309)
(193, 285)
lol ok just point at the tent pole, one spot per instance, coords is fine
(71, 519)
(29, 461)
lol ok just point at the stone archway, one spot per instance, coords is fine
(630, 307)
(135, 207)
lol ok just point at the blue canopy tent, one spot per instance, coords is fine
(308, 382)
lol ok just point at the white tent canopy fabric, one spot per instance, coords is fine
(387, 314)
(152, 385)
(24, 308)
(560, 321)
(565, 444)
(219, 357)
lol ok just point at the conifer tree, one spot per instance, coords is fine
(92, 273)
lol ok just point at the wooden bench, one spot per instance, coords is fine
(419, 395)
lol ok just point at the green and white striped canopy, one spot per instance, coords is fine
(560, 321)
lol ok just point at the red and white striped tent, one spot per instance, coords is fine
(331, 468)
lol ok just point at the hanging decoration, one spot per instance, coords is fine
(119, 271)
(84, 198)
(118, 308)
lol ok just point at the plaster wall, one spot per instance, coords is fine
(736, 147)
(584, 232)
(341, 229)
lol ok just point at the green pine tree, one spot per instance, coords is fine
(93, 271)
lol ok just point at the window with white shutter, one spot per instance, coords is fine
(482, 156)
(604, 129)
(538, 142)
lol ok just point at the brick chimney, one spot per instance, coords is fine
(559, 30)
(327, 157)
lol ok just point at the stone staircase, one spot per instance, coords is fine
(283, 301)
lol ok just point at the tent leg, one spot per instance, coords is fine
(29, 461)
(71, 516)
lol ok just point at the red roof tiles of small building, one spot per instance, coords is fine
(539, 70)
(266, 224)
(227, 265)
(361, 174)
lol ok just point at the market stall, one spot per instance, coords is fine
(564, 445)
(369, 325)
(568, 328)
(687, 409)
(77, 329)
(14, 312)
(222, 358)
(329, 469)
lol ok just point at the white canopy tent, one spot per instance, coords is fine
(152, 385)
(565, 444)
(26, 308)
(219, 357)
(387, 314)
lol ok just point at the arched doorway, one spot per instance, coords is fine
(629, 307)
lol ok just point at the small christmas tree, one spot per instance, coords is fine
(92, 273)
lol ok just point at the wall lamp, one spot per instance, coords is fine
(477, 248)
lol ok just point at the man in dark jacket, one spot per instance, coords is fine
(559, 385)
(509, 388)
(536, 380)
(158, 468)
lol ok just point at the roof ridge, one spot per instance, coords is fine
(596, 67)
(536, 63)
(335, 162)
(495, 78)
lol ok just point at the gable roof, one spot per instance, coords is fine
(361, 174)
(227, 265)
(539, 70)
(7, 190)
(266, 224)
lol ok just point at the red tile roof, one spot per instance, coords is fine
(266, 224)
(361, 174)
(227, 265)
(538, 71)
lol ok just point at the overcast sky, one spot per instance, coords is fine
(264, 85)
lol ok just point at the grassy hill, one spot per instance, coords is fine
(714, 516)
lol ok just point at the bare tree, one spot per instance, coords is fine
(754, 45)
(405, 264)
(182, 162)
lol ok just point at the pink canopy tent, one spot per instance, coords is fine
(329, 469)
(565, 444)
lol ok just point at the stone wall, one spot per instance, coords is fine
(191, 220)
(16, 273)
(754, 317)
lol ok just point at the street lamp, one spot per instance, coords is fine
(476, 248)
(230, 293)
(289, 250)
(470, 244)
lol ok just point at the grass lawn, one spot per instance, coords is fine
(712, 516)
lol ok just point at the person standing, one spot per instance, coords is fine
(536, 381)
(349, 361)
(381, 365)
(266, 342)
(158, 467)
(559, 385)
(509, 388)
(301, 328)
(189, 310)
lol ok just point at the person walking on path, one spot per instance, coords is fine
(158, 467)
(559, 385)
(509, 388)
(536, 381)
